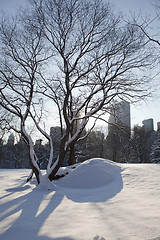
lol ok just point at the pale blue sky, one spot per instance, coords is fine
(134, 5)
(151, 109)
(10, 5)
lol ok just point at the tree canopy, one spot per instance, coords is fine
(78, 54)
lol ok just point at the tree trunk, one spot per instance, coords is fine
(62, 153)
(72, 157)
(32, 156)
(35, 170)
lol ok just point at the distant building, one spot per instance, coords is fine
(120, 118)
(148, 125)
(119, 129)
(55, 133)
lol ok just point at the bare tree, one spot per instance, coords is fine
(95, 59)
(21, 56)
(96, 55)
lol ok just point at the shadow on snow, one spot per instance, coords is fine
(28, 223)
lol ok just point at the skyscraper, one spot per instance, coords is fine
(120, 118)
(119, 132)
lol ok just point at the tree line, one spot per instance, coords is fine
(140, 148)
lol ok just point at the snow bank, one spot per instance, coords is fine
(92, 173)
(127, 208)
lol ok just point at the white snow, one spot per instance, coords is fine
(99, 200)
(91, 174)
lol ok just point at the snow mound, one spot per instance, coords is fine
(92, 173)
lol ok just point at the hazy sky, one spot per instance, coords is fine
(151, 109)
(11, 5)
(134, 5)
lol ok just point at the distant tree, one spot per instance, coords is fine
(90, 147)
(95, 144)
(118, 145)
(8, 153)
(141, 144)
(1, 147)
(2, 133)
(21, 154)
(41, 153)
(155, 153)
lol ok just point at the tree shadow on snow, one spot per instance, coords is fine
(23, 207)
(157, 238)
(20, 188)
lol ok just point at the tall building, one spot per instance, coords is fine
(55, 133)
(119, 128)
(120, 118)
(148, 125)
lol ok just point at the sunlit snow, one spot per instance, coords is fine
(99, 200)
(91, 174)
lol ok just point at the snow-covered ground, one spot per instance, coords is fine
(97, 200)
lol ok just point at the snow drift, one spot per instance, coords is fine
(92, 173)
